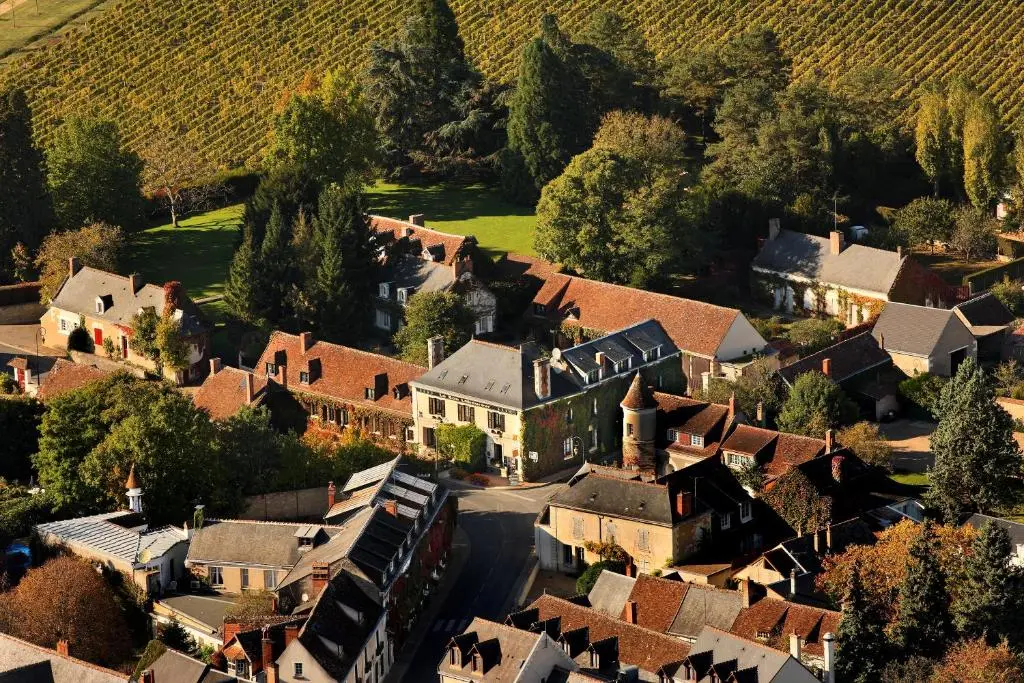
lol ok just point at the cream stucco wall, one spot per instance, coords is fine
(233, 576)
(624, 532)
(369, 667)
(507, 439)
(909, 364)
(741, 340)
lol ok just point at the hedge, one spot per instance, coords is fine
(984, 279)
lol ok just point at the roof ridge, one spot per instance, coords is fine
(789, 604)
(273, 523)
(571, 278)
(126, 278)
(601, 475)
(76, 660)
(715, 629)
(605, 617)
(281, 333)
(496, 345)
(417, 227)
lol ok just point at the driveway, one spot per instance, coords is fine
(21, 340)
(909, 441)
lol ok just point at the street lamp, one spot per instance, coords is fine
(40, 336)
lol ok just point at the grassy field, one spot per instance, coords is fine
(22, 21)
(910, 478)
(951, 267)
(476, 210)
(198, 252)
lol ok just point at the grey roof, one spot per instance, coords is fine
(268, 544)
(102, 534)
(625, 347)
(617, 497)
(744, 654)
(332, 551)
(206, 609)
(22, 662)
(78, 294)
(382, 483)
(610, 593)
(706, 606)
(912, 329)
(420, 274)
(809, 256)
(1014, 529)
(180, 668)
(985, 311)
(847, 359)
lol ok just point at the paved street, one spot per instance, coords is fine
(499, 525)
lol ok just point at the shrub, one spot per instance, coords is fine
(1011, 294)
(921, 393)
(478, 480)
(464, 444)
(7, 384)
(81, 340)
(108, 347)
(458, 473)
(589, 576)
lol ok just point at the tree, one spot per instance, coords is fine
(814, 334)
(345, 278)
(19, 423)
(974, 233)
(550, 116)
(174, 165)
(144, 333)
(861, 647)
(923, 624)
(614, 35)
(430, 314)
(656, 143)
(977, 461)
(932, 135)
(171, 346)
(796, 500)
(275, 275)
(98, 246)
(990, 601)
(925, 220)
(241, 293)
(66, 599)
(984, 154)
(815, 403)
(93, 177)
(329, 132)
(255, 453)
(26, 212)
(975, 661)
(864, 439)
(174, 636)
(591, 574)
(1011, 294)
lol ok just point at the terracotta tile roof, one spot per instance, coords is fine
(694, 326)
(66, 376)
(638, 646)
(781, 618)
(639, 395)
(452, 244)
(345, 373)
(657, 601)
(689, 415)
(513, 265)
(792, 450)
(748, 439)
(223, 393)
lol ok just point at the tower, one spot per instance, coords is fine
(134, 491)
(639, 424)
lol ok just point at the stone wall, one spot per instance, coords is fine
(284, 506)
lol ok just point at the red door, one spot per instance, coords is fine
(124, 347)
(97, 335)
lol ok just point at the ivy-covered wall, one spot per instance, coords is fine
(765, 284)
(546, 427)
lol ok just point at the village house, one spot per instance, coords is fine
(714, 341)
(419, 259)
(66, 376)
(23, 662)
(774, 452)
(248, 654)
(180, 668)
(337, 388)
(542, 415)
(688, 430)
(227, 390)
(153, 559)
(488, 651)
(989, 322)
(105, 304)
(922, 339)
(824, 276)
(720, 656)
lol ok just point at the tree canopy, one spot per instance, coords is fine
(98, 245)
(815, 404)
(430, 314)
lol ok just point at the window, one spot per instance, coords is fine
(382, 320)
(271, 369)
(303, 377)
(594, 410)
(99, 306)
(538, 309)
(298, 669)
(384, 290)
(629, 429)
(672, 435)
(370, 393)
(268, 579)
(745, 512)
(63, 325)
(485, 324)
(644, 566)
(567, 448)
(403, 295)
(593, 439)
(467, 413)
(726, 520)
(216, 576)
(245, 577)
(737, 460)
(643, 539)
(696, 440)
(566, 554)
(410, 434)
(496, 420)
(429, 438)
(610, 532)
(436, 406)
(578, 528)
(242, 668)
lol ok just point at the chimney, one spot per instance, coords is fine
(881, 341)
(135, 282)
(826, 367)
(599, 358)
(435, 351)
(745, 592)
(682, 504)
(321, 575)
(732, 405)
(830, 658)
(73, 266)
(899, 252)
(306, 341)
(272, 673)
(830, 438)
(332, 490)
(794, 646)
(828, 536)
(630, 570)
(542, 378)
(391, 507)
(291, 632)
(760, 413)
(215, 366)
(837, 468)
(268, 648)
(462, 265)
(62, 648)
(792, 582)
(774, 227)
(631, 611)
(418, 219)
(231, 629)
(250, 388)
(835, 242)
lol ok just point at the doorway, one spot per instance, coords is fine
(955, 359)
(97, 335)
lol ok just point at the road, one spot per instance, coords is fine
(499, 525)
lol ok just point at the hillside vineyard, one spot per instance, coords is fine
(220, 66)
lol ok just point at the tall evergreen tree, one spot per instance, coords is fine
(977, 461)
(26, 213)
(275, 272)
(860, 641)
(990, 596)
(241, 293)
(551, 118)
(923, 622)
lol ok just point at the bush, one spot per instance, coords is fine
(81, 340)
(478, 480)
(921, 394)
(814, 334)
(458, 473)
(589, 576)
(1011, 294)
(7, 384)
(464, 444)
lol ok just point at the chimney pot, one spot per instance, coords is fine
(899, 251)
(836, 242)
(792, 582)
(830, 658)
(332, 490)
(73, 266)
(306, 341)
(268, 648)
(418, 219)
(134, 282)
(435, 351)
(794, 646)
(542, 378)
(760, 413)
(62, 648)
(828, 536)
(215, 366)
(817, 542)
(631, 611)
(826, 367)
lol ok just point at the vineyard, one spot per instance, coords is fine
(220, 66)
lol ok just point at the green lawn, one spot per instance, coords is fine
(198, 252)
(911, 478)
(32, 19)
(477, 210)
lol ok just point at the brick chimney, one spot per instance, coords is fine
(881, 341)
(836, 242)
(134, 282)
(268, 648)
(73, 266)
(683, 505)
(435, 351)
(291, 632)
(830, 439)
(250, 388)
(631, 611)
(272, 673)
(305, 342)
(332, 490)
(826, 367)
(745, 592)
(630, 569)
(462, 265)
(231, 629)
(795, 646)
(62, 648)
(215, 366)
(418, 219)
(321, 575)
(391, 507)
(599, 358)
(542, 378)
(732, 405)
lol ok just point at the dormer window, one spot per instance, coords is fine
(673, 435)
(745, 512)
(104, 303)
(652, 354)
(539, 309)
(697, 441)
(593, 376)
(403, 294)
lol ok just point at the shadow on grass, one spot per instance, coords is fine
(447, 202)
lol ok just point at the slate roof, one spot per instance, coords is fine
(345, 373)
(419, 274)
(847, 359)
(610, 593)
(912, 329)
(223, 393)
(984, 311)
(625, 347)
(331, 635)
(510, 648)
(180, 668)
(809, 256)
(782, 618)
(268, 544)
(705, 606)
(613, 496)
(78, 295)
(694, 326)
(103, 534)
(383, 483)
(449, 246)
(66, 376)
(730, 654)
(23, 662)
(1014, 529)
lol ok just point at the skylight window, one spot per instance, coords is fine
(505, 388)
(463, 379)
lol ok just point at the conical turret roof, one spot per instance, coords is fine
(639, 396)
(132, 482)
